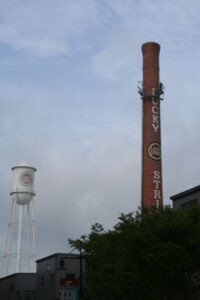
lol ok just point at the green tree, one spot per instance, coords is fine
(152, 254)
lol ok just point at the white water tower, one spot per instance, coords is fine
(20, 242)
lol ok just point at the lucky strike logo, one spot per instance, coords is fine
(26, 179)
(154, 151)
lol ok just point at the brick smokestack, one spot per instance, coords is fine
(151, 92)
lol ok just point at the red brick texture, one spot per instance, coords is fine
(151, 133)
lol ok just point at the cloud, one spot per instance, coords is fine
(78, 187)
(44, 28)
(75, 191)
(118, 60)
(78, 118)
(86, 157)
(136, 22)
(53, 28)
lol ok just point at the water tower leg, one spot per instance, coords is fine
(33, 230)
(28, 238)
(5, 252)
(19, 245)
(12, 223)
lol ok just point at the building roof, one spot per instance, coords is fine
(68, 255)
(18, 275)
(185, 193)
(23, 164)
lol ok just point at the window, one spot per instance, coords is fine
(70, 275)
(42, 280)
(48, 268)
(191, 202)
(25, 295)
(61, 263)
(11, 287)
(51, 278)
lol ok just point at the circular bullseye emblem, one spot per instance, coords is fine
(154, 151)
(26, 179)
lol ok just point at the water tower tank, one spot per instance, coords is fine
(23, 180)
(23, 248)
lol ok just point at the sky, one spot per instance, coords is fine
(69, 106)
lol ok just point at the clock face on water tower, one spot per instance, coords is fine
(26, 179)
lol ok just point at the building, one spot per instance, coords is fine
(59, 276)
(191, 196)
(19, 286)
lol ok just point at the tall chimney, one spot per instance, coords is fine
(151, 92)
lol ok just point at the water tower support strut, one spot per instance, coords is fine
(33, 229)
(12, 222)
(9, 231)
(21, 209)
(28, 238)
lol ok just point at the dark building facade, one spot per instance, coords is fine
(19, 286)
(191, 196)
(58, 277)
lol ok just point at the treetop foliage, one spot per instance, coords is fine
(150, 254)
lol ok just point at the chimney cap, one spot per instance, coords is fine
(150, 46)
